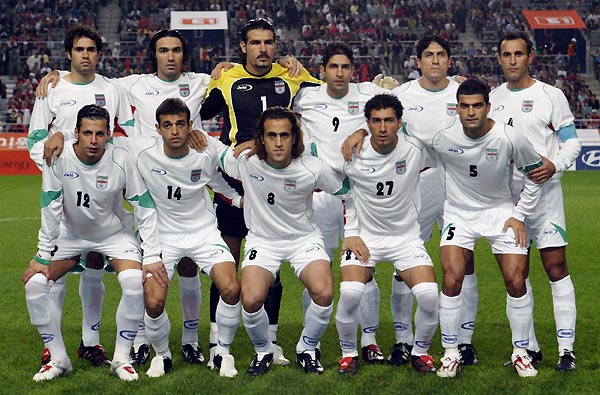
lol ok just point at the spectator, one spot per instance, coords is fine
(572, 54)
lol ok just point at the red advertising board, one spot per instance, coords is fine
(556, 19)
(14, 157)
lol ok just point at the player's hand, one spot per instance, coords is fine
(197, 140)
(33, 268)
(460, 79)
(247, 145)
(355, 140)
(519, 228)
(53, 147)
(158, 271)
(543, 173)
(51, 78)
(358, 247)
(385, 81)
(219, 68)
(292, 64)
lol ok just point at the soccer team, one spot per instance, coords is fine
(375, 165)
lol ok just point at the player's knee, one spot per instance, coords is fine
(515, 286)
(132, 293)
(230, 292)
(351, 293)
(36, 292)
(556, 270)
(452, 285)
(154, 305)
(427, 297)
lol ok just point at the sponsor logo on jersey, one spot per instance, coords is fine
(591, 158)
(415, 108)
(196, 175)
(367, 170)
(257, 177)
(279, 87)
(244, 87)
(401, 167)
(151, 93)
(160, 172)
(527, 106)
(457, 151)
(289, 185)
(498, 108)
(353, 107)
(320, 107)
(216, 252)
(71, 174)
(100, 99)
(565, 333)
(451, 109)
(68, 103)
(184, 90)
(102, 182)
(491, 153)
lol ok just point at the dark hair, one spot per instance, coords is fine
(382, 101)
(278, 112)
(254, 24)
(515, 36)
(151, 51)
(473, 86)
(337, 48)
(426, 40)
(78, 31)
(93, 111)
(172, 106)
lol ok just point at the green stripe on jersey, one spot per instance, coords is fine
(36, 136)
(528, 168)
(560, 231)
(48, 197)
(145, 200)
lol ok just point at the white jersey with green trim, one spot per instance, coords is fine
(326, 121)
(81, 198)
(478, 172)
(60, 108)
(146, 92)
(278, 202)
(426, 112)
(179, 186)
(539, 110)
(385, 189)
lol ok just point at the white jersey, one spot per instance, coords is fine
(146, 92)
(178, 186)
(426, 112)
(81, 198)
(278, 202)
(60, 108)
(540, 111)
(478, 173)
(385, 189)
(326, 121)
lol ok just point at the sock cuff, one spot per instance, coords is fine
(93, 273)
(229, 310)
(422, 288)
(371, 285)
(562, 287)
(320, 310)
(450, 302)
(352, 286)
(129, 273)
(518, 302)
(252, 316)
(470, 281)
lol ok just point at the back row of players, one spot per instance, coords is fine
(476, 159)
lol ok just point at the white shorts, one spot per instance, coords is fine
(464, 227)
(405, 252)
(432, 201)
(205, 249)
(121, 245)
(269, 253)
(329, 216)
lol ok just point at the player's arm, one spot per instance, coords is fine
(51, 212)
(352, 241)
(293, 65)
(352, 143)
(569, 151)
(526, 159)
(38, 134)
(47, 81)
(125, 119)
(214, 102)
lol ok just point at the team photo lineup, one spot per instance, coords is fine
(330, 175)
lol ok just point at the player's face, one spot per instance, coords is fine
(92, 136)
(174, 130)
(434, 62)
(259, 50)
(384, 126)
(169, 58)
(337, 72)
(515, 60)
(83, 56)
(473, 111)
(278, 141)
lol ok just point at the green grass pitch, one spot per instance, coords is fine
(21, 346)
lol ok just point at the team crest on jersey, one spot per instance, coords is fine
(491, 154)
(289, 185)
(451, 109)
(196, 175)
(101, 182)
(527, 106)
(401, 167)
(353, 107)
(184, 90)
(279, 87)
(100, 100)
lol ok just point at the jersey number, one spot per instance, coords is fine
(83, 199)
(473, 170)
(381, 186)
(336, 123)
(173, 194)
(263, 99)
(271, 198)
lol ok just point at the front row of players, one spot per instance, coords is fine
(165, 181)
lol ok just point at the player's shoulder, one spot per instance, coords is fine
(499, 90)
(454, 128)
(370, 89)
(411, 141)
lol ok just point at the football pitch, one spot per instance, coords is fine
(21, 346)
